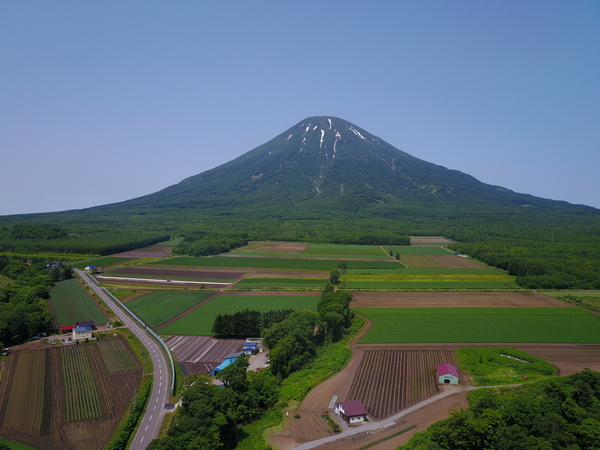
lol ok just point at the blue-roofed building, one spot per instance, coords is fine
(227, 361)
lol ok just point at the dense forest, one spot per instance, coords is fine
(558, 413)
(23, 309)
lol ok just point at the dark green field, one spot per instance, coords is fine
(158, 307)
(200, 320)
(71, 303)
(407, 325)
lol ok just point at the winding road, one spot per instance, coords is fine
(155, 410)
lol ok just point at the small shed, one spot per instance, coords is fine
(352, 412)
(67, 329)
(447, 374)
(81, 333)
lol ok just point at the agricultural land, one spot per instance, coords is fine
(49, 394)
(70, 303)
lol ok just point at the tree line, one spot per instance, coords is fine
(246, 323)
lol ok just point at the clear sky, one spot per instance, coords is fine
(105, 101)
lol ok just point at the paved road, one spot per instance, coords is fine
(155, 411)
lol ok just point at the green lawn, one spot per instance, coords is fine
(158, 307)
(71, 303)
(274, 282)
(395, 325)
(200, 320)
(286, 263)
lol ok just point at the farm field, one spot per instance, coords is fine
(199, 321)
(274, 263)
(48, 394)
(413, 280)
(158, 307)
(388, 381)
(327, 251)
(280, 283)
(71, 303)
(169, 272)
(81, 391)
(429, 240)
(100, 262)
(453, 299)
(397, 325)
(200, 354)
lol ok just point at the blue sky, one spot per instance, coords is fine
(105, 101)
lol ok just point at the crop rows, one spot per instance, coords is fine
(70, 303)
(30, 389)
(115, 356)
(388, 381)
(82, 400)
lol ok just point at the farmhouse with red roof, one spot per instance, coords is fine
(352, 412)
(447, 374)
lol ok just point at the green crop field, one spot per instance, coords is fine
(71, 303)
(200, 320)
(567, 325)
(427, 285)
(82, 400)
(116, 357)
(158, 307)
(344, 251)
(414, 271)
(274, 282)
(99, 262)
(274, 263)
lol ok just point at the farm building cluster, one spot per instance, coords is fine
(81, 331)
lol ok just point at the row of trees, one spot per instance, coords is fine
(246, 323)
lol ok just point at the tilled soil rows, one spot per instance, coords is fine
(388, 381)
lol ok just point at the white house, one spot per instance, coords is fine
(447, 374)
(82, 333)
(352, 412)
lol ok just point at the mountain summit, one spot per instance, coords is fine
(330, 162)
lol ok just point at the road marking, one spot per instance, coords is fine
(154, 409)
(151, 418)
(146, 427)
(141, 439)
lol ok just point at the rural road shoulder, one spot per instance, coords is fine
(155, 409)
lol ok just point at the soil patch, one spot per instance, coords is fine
(429, 240)
(457, 262)
(453, 299)
(275, 247)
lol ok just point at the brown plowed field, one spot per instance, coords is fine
(275, 247)
(429, 240)
(453, 299)
(44, 424)
(421, 262)
(457, 262)
(201, 354)
(388, 381)
(154, 251)
(175, 273)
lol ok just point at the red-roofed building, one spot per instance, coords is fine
(352, 412)
(67, 329)
(447, 374)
